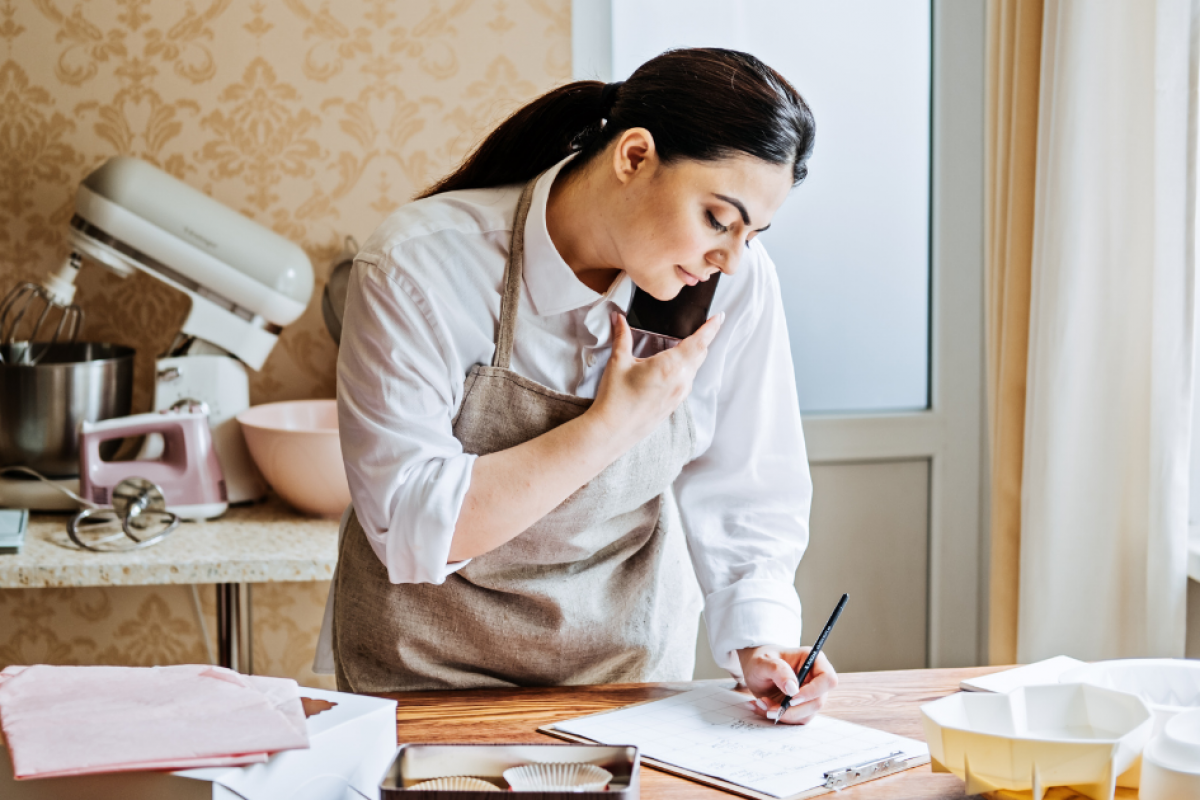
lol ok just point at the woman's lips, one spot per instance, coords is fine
(688, 278)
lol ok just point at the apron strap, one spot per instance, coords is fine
(510, 300)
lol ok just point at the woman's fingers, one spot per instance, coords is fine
(783, 676)
(796, 714)
(760, 707)
(771, 674)
(622, 338)
(636, 394)
(680, 364)
(800, 713)
(821, 680)
(696, 345)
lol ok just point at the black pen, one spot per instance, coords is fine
(812, 656)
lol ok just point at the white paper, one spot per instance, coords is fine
(1036, 674)
(712, 731)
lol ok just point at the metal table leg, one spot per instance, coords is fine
(233, 627)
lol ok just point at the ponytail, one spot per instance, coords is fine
(535, 138)
(704, 104)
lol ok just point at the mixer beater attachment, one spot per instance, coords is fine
(38, 303)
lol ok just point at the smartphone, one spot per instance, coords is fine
(659, 325)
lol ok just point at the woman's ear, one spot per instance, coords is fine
(634, 155)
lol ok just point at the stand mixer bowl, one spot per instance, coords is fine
(42, 405)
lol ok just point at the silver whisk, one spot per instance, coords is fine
(32, 308)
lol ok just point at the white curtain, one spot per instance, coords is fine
(1108, 406)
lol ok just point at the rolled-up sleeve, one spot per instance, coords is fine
(745, 500)
(407, 472)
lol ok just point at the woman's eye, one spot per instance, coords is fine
(718, 227)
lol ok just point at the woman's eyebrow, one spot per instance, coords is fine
(733, 201)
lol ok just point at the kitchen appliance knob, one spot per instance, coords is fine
(190, 405)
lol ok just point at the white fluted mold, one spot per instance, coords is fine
(1037, 737)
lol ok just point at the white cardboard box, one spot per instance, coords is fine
(1035, 674)
(351, 747)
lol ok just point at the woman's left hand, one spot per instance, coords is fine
(770, 673)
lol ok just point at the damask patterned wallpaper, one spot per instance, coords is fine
(311, 117)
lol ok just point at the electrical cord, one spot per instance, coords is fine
(87, 504)
(51, 482)
(208, 649)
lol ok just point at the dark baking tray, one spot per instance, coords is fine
(422, 762)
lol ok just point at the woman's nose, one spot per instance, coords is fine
(726, 259)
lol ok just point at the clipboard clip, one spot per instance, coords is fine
(868, 770)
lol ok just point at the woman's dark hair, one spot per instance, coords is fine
(704, 104)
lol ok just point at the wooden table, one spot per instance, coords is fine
(884, 700)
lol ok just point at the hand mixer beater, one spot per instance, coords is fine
(41, 304)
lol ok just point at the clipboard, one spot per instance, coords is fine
(839, 776)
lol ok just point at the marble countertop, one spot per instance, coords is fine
(265, 542)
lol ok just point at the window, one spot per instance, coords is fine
(852, 245)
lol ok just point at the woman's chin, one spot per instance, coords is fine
(664, 293)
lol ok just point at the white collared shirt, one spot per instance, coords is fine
(422, 308)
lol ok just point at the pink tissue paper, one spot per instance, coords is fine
(83, 720)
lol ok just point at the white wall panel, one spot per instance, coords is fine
(870, 538)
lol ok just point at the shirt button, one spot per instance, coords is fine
(591, 359)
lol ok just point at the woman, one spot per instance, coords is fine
(526, 491)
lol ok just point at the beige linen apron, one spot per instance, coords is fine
(599, 590)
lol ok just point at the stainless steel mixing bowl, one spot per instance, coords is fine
(41, 405)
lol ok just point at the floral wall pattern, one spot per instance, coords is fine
(313, 118)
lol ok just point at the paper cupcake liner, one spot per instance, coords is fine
(548, 777)
(458, 783)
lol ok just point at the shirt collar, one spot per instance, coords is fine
(549, 280)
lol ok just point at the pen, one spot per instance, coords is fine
(812, 655)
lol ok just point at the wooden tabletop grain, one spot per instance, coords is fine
(884, 700)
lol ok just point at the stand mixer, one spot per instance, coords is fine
(245, 283)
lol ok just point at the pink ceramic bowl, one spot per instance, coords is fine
(295, 445)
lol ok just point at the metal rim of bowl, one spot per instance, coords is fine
(118, 352)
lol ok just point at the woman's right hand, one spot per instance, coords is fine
(512, 489)
(637, 394)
